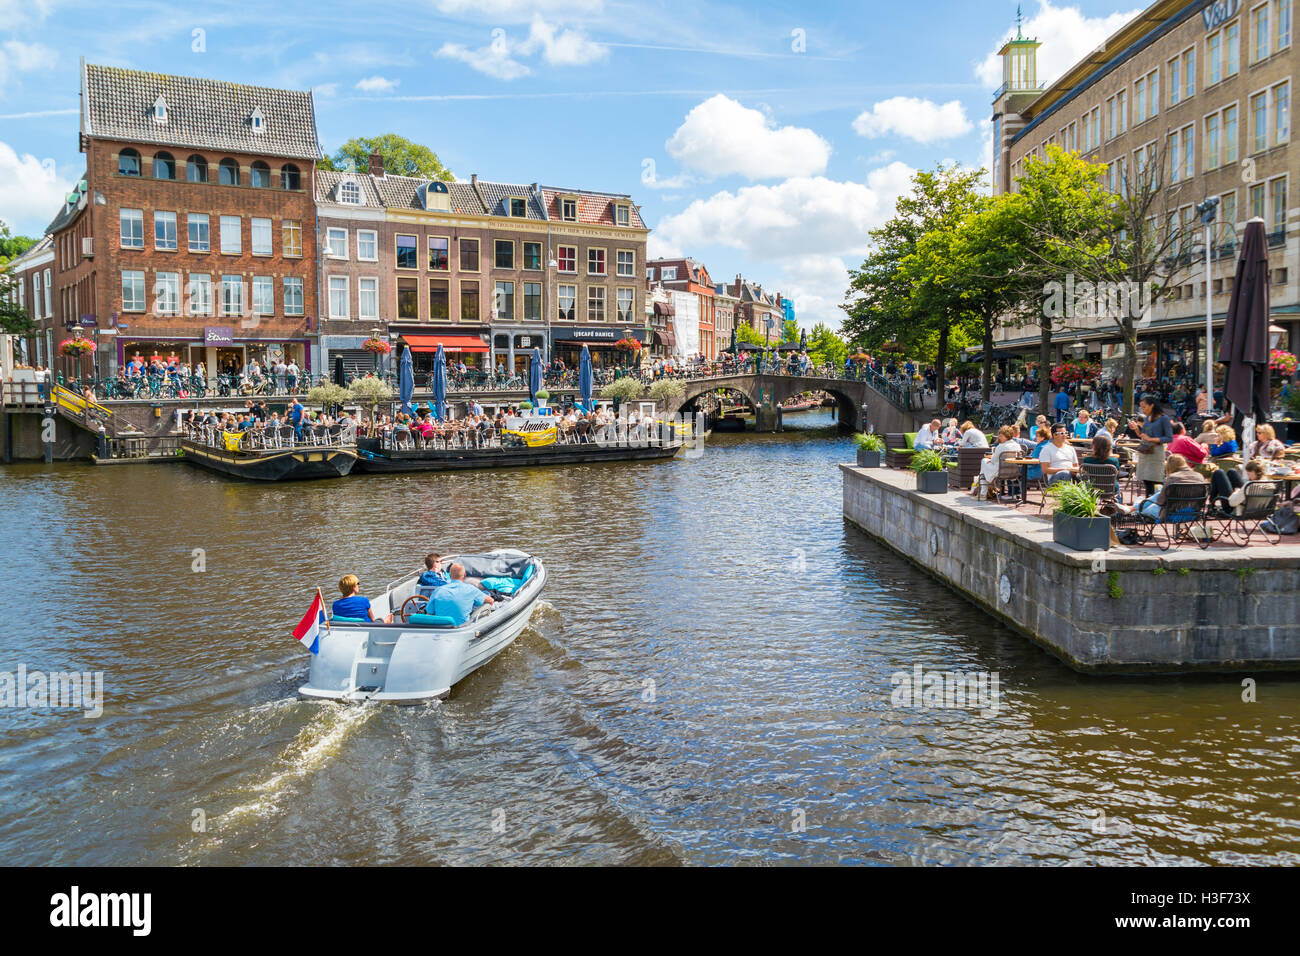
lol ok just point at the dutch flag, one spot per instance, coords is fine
(308, 629)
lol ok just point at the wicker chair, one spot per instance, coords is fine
(1185, 507)
(969, 462)
(1007, 485)
(1105, 478)
(1260, 504)
(898, 450)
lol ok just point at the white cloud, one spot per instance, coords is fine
(492, 60)
(657, 247)
(326, 91)
(562, 47)
(517, 11)
(377, 84)
(503, 57)
(15, 13)
(18, 57)
(31, 191)
(720, 137)
(921, 120)
(1067, 37)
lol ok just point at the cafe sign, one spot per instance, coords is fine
(1220, 12)
(218, 335)
(88, 322)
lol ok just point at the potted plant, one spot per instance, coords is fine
(376, 345)
(871, 447)
(542, 396)
(76, 347)
(622, 390)
(931, 476)
(1077, 521)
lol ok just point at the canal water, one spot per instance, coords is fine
(708, 681)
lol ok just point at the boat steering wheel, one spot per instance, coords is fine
(405, 613)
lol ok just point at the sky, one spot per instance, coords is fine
(763, 139)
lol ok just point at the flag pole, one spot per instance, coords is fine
(322, 609)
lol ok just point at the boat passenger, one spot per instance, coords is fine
(433, 576)
(458, 599)
(352, 604)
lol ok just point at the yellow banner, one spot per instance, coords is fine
(232, 440)
(535, 439)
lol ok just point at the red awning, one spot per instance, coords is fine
(452, 343)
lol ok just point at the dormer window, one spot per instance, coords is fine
(670, 273)
(622, 214)
(160, 110)
(256, 120)
(515, 207)
(350, 193)
(569, 210)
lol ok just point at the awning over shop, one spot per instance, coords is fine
(665, 338)
(665, 308)
(452, 343)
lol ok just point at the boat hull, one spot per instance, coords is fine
(290, 464)
(372, 459)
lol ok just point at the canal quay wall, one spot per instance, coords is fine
(1122, 611)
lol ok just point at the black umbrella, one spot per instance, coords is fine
(1244, 351)
(803, 340)
(338, 370)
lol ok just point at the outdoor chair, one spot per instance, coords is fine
(1105, 478)
(1185, 507)
(967, 468)
(898, 449)
(1007, 485)
(1259, 506)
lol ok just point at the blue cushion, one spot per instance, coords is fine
(436, 620)
(528, 573)
(504, 585)
(347, 620)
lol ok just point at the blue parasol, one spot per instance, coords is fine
(535, 377)
(439, 380)
(406, 381)
(585, 379)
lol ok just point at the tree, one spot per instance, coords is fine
(789, 330)
(826, 348)
(11, 247)
(401, 157)
(14, 318)
(746, 334)
(885, 305)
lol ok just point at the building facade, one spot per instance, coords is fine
(692, 278)
(1204, 89)
(31, 287)
(192, 232)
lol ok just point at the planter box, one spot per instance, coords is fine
(1081, 534)
(868, 459)
(932, 482)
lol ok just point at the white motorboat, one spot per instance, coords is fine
(421, 656)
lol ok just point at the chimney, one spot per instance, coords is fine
(473, 179)
(377, 165)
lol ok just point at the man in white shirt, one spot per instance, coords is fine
(928, 435)
(1058, 457)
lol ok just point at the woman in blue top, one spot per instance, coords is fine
(353, 605)
(1227, 442)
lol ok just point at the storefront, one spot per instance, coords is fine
(218, 350)
(512, 351)
(466, 345)
(601, 340)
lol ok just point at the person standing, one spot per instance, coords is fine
(1156, 432)
(1062, 404)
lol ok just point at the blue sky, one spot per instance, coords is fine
(761, 138)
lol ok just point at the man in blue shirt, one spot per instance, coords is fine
(295, 417)
(458, 599)
(433, 576)
(1062, 404)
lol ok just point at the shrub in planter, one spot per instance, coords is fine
(871, 447)
(931, 476)
(1077, 521)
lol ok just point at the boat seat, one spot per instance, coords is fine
(347, 620)
(432, 620)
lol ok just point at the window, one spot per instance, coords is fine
(1232, 48)
(164, 166)
(36, 295)
(1259, 33)
(259, 175)
(503, 301)
(532, 301)
(439, 299)
(49, 292)
(199, 232)
(1144, 166)
(338, 297)
(164, 231)
(408, 256)
(132, 226)
(469, 255)
(622, 215)
(350, 193)
(231, 243)
(196, 169)
(1230, 134)
(1257, 201)
(569, 210)
(1228, 211)
(293, 296)
(263, 295)
(505, 254)
(1189, 73)
(469, 303)
(336, 243)
(626, 262)
(1277, 202)
(128, 163)
(1139, 100)
(160, 110)
(439, 253)
(255, 120)
(368, 298)
(1281, 113)
(1175, 80)
(228, 172)
(516, 207)
(532, 252)
(625, 300)
(1259, 114)
(1213, 58)
(260, 235)
(1182, 154)
(1211, 142)
(290, 178)
(200, 294)
(596, 303)
(368, 245)
(670, 274)
(291, 235)
(595, 262)
(1282, 17)
(132, 291)
(567, 260)
(167, 293)
(232, 295)
(568, 296)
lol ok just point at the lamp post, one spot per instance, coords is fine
(1207, 212)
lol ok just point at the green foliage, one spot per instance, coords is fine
(789, 330)
(622, 390)
(1076, 499)
(747, 335)
(401, 157)
(14, 318)
(1113, 590)
(666, 390)
(1184, 571)
(370, 391)
(1291, 401)
(926, 460)
(1159, 570)
(543, 395)
(11, 246)
(826, 348)
(329, 395)
(869, 441)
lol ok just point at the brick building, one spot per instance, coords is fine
(762, 311)
(192, 232)
(31, 287)
(691, 277)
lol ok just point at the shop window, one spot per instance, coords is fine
(408, 298)
(439, 295)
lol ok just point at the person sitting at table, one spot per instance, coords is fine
(1227, 444)
(1039, 431)
(1176, 473)
(1266, 444)
(1235, 500)
(1058, 458)
(928, 436)
(1100, 453)
(1182, 444)
(951, 433)
(1007, 447)
(972, 437)
(353, 605)
(1208, 435)
(1111, 428)
(1084, 426)
(458, 598)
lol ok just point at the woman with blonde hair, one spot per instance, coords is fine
(1266, 444)
(1227, 444)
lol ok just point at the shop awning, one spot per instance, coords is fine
(452, 343)
(665, 338)
(665, 308)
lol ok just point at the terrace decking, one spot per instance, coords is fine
(1129, 610)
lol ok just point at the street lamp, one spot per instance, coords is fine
(1206, 210)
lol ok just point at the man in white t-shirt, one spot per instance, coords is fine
(928, 435)
(1058, 457)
